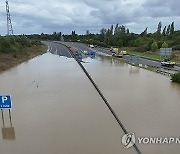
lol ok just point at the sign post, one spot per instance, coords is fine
(8, 133)
(5, 102)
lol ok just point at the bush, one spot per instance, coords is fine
(138, 42)
(160, 44)
(176, 47)
(150, 42)
(142, 48)
(154, 47)
(164, 45)
(16, 43)
(35, 42)
(176, 77)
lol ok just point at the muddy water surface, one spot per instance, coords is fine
(56, 111)
(147, 103)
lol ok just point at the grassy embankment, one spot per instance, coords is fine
(153, 55)
(14, 51)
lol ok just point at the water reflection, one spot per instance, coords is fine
(112, 61)
(134, 70)
(8, 133)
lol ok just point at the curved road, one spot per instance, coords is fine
(58, 49)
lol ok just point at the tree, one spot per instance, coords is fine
(73, 33)
(176, 78)
(127, 31)
(138, 42)
(154, 47)
(164, 31)
(87, 32)
(172, 28)
(103, 35)
(144, 33)
(111, 30)
(164, 45)
(168, 30)
(116, 30)
(150, 42)
(120, 43)
(158, 32)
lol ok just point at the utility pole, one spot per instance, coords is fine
(9, 23)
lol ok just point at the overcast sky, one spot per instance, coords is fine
(47, 16)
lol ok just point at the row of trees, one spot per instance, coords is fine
(120, 36)
(56, 36)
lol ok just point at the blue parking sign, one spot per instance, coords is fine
(5, 102)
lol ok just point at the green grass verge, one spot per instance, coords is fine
(153, 56)
(45, 48)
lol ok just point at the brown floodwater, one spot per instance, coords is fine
(56, 110)
(147, 103)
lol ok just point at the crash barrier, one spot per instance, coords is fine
(164, 72)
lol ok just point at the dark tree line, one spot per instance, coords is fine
(120, 36)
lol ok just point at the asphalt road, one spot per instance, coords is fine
(58, 49)
(132, 59)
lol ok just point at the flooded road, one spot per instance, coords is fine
(146, 102)
(57, 111)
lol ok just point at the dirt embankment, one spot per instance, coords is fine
(10, 60)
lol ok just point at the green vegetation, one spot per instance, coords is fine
(146, 44)
(154, 47)
(146, 55)
(14, 44)
(120, 36)
(152, 55)
(164, 45)
(17, 49)
(176, 77)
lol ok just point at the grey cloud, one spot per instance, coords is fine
(162, 8)
(30, 16)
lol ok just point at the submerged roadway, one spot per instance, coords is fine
(133, 59)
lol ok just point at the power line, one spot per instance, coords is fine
(9, 23)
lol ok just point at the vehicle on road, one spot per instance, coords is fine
(167, 63)
(116, 53)
(92, 54)
(91, 46)
(123, 52)
(79, 56)
(111, 49)
(86, 52)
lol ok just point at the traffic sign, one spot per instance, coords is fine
(5, 102)
(165, 51)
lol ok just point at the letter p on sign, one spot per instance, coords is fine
(4, 98)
